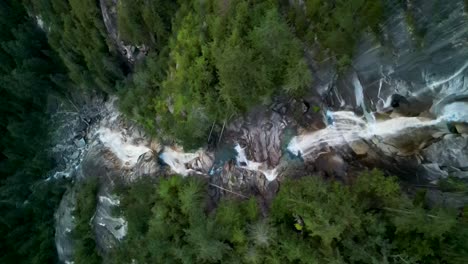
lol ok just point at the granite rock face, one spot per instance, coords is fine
(420, 70)
(449, 152)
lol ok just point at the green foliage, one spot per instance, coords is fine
(177, 227)
(137, 94)
(316, 109)
(336, 25)
(453, 184)
(86, 200)
(27, 202)
(370, 221)
(209, 61)
(146, 22)
(223, 59)
(77, 33)
(326, 217)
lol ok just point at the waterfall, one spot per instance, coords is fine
(178, 160)
(243, 162)
(104, 217)
(344, 127)
(359, 95)
(347, 127)
(122, 147)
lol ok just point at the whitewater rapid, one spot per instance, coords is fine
(243, 162)
(347, 128)
(344, 128)
(122, 147)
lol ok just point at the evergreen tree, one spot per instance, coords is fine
(77, 33)
(310, 221)
(27, 202)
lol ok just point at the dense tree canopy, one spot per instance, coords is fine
(146, 22)
(27, 202)
(77, 33)
(86, 200)
(208, 61)
(336, 25)
(223, 59)
(310, 221)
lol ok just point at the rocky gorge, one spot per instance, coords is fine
(401, 107)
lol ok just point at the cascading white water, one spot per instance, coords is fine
(118, 226)
(177, 160)
(344, 127)
(123, 148)
(359, 95)
(243, 162)
(347, 127)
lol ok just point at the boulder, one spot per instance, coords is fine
(359, 147)
(80, 143)
(460, 174)
(462, 128)
(147, 165)
(75, 155)
(450, 151)
(432, 172)
(332, 165)
(446, 199)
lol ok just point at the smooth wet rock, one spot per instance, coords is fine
(80, 143)
(64, 224)
(423, 73)
(438, 134)
(445, 199)
(450, 151)
(432, 172)
(454, 107)
(75, 155)
(460, 174)
(359, 147)
(147, 166)
(407, 106)
(261, 133)
(332, 165)
(109, 227)
(462, 128)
